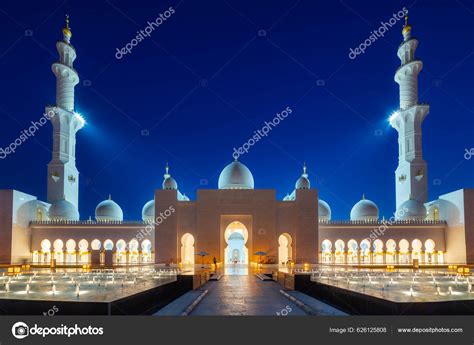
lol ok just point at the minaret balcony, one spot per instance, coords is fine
(409, 69)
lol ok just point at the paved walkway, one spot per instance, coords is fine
(245, 295)
(240, 292)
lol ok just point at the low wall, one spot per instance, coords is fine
(356, 303)
(145, 302)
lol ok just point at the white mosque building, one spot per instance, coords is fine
(237, 220)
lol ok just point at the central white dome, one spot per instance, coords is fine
(236, 176)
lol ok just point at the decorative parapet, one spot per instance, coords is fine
(87, 222)
(382, 222)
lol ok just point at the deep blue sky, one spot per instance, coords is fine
(340, 128)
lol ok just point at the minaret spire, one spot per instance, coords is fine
(411, 173)
(67, 33)
(406, 31)
(63, 176)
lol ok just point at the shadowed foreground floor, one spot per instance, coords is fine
(241, 293)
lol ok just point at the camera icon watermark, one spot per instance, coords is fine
(20, 330)
(378, 133)
(320, 82)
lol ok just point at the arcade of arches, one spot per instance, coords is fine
(131, 252)
(379, 252)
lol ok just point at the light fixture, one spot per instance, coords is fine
(393, 116)
(80, 118)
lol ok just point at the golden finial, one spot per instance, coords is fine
(407, 27)
(67, 30)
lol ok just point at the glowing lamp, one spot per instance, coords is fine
(393, 117)
(81, 119)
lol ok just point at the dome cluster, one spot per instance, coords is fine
(238, 176)
(169, 183)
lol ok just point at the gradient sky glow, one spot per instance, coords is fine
(205, 80)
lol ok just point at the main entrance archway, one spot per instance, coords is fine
(236, 237)
(187, 249)
(284, 249)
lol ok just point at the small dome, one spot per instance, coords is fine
(411, 210)
(148, 211)
(108, 210)
(170, 183)
(63, 210)
(303, 181)
(324, 210)
(236, 176)
(365, 210)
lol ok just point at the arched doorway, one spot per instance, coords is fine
(58, 246)
(187, 249)
(236, 237)
(146, 251)
(326, 251)
(71, 251)
(340, 251)
(285, 253)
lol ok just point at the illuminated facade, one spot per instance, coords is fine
(237, 223)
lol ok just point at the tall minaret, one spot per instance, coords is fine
(411, 173)
(63, 177)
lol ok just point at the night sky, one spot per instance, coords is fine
(214, 72)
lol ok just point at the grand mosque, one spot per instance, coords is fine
(238, 223)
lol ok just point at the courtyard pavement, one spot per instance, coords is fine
(240, 292)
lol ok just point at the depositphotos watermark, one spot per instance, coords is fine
(145, 232)
(26, 134)
(21, 330)
(380, 230)
(376, 34)
(468, 153)
(146, 32)
(263, 132)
